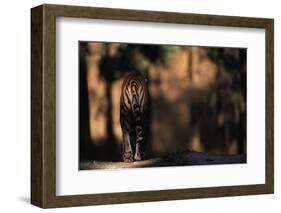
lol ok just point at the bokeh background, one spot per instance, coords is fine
(198, 98)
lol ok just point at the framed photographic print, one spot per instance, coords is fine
(136, 106)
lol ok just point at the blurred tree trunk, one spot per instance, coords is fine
(107, 69)
(109, 121)
(190, 64)
(84, 123)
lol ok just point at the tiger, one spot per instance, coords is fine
(134, 116)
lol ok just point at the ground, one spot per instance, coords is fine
(187, 158)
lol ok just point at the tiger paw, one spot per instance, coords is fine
(138, 156)
(128, 157)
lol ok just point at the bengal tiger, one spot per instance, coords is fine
(134, 116)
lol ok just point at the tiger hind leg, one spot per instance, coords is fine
(128, 152)
(139, 142)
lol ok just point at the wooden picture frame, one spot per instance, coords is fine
(43, 105)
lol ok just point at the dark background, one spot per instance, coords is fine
(198, 98)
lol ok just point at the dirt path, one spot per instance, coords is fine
(186, 159)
